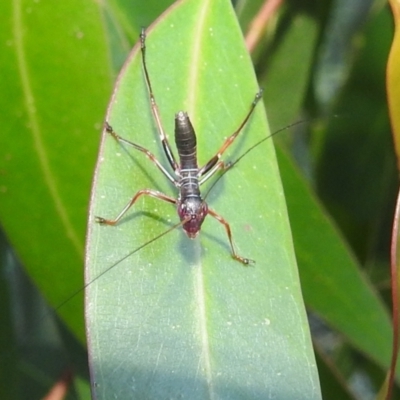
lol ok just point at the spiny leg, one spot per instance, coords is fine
(154, 108)
(146, 192)
(245, 261)
(148, 154)
(215, 163)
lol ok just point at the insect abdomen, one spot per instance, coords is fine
(185, 140)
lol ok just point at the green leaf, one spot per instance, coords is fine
(124, 20)
(286, 82)
(55, 81)
(180, 317)
(330, 273)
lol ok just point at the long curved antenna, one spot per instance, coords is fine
(122, 259)
(81, 289)
(230, 165)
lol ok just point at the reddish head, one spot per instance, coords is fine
(193, 210)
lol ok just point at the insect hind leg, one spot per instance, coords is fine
(215, 163)
(154, 108)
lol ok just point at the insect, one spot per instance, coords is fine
(187, 175)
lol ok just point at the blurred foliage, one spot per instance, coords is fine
(319, 61)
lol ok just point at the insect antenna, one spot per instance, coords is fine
(229, 165)
(155, 238)
(50, 312)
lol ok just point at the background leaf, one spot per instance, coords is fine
(393, 77)
(55, 83)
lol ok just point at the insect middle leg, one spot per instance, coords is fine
(243, 260)
(143, 192)
(148, 154)
(215, 163)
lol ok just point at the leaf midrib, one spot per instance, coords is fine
(36, 131)
(198, 276)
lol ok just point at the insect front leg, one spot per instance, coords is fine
(243, 260)
(143, 192)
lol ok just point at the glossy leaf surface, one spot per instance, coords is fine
(55, 83)
(180, 317)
